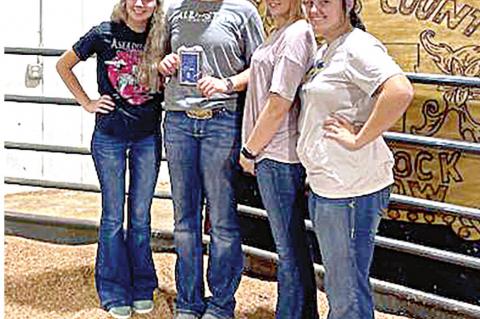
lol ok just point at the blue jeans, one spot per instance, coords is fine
(345, 230)
(203, 163)
(124, 269)
(282, 187)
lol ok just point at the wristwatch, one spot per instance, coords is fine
(229, 84)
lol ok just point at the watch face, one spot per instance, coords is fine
(189, 67)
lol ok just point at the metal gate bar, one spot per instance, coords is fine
(392, 244)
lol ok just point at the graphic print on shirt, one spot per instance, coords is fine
(123, 75)
(196, 17)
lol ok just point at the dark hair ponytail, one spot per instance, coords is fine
(355, 21)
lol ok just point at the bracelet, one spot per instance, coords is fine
(248, 155)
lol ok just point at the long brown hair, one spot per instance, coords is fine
(154, 50)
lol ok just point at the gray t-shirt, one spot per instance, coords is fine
(278, 66)
(228, 31)
(350, 70)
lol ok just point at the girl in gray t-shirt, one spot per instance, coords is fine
(352, 95)
(202, 143)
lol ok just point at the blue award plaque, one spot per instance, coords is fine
(190, 65)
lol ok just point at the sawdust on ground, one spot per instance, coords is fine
(56, 281)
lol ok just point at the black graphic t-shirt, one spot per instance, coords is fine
(118, 50)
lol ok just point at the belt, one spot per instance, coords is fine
(200, 114)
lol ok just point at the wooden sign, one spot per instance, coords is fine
(441, 37)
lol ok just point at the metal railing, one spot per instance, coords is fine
(424, 204)
(420, 78)
(33, 51)
(40, 99)
(432, 142)
(387, 243)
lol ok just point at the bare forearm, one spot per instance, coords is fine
(74, 86)
(392, 102)
(268, 123)
(240, 80)
(64, 69)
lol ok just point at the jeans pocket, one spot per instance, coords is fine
(384, 199)
(174, 124)
(101, 138)
(264, 164)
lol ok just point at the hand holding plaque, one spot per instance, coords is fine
(190, 65)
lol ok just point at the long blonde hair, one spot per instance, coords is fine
(296, 13)
(154, 49)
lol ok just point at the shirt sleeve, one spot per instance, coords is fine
(253, 35)
(87, 45)
(295, 58)
(369, 66)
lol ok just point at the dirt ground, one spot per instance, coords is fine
(83, 205)
(56, 281)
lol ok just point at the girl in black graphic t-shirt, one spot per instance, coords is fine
(126, 131)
